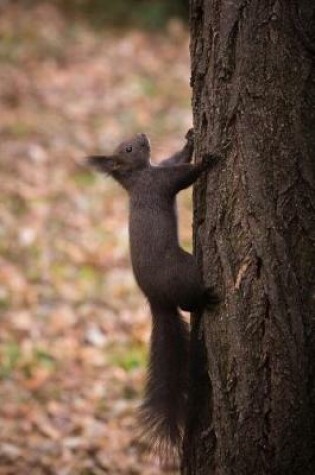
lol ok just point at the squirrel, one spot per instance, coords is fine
(167, 275)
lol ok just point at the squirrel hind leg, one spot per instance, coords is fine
(207, 299)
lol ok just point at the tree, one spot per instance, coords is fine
(252, 395)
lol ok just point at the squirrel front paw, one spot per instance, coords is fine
(190, 136)
(209, 160)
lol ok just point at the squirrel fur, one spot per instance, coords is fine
(168, 276)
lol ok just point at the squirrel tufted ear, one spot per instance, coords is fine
(94, 160)
(99, 162)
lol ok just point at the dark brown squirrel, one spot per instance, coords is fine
(167, 275)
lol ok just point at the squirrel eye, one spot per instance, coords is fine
(129, 149)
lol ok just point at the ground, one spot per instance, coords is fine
(74, 326)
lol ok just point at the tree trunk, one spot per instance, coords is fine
(252, 392)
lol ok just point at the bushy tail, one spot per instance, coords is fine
(163, 410)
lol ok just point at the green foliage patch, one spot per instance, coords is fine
(129, 356)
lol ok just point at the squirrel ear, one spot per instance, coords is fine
(100, 162)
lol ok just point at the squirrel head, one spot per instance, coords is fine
(136, 149)
(130, 155)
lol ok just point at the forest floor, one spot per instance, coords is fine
(74, 326)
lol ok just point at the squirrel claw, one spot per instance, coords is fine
(190, 136)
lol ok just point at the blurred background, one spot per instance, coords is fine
(77, 77)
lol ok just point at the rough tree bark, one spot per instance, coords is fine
(253, 360)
